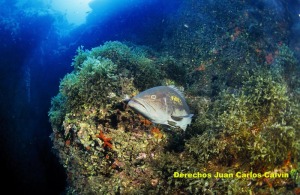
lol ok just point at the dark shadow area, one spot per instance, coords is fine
(34, 57)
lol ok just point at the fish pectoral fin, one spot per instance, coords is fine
(177, 118)
(171, 123)
(182, 121)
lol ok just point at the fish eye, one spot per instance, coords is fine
(153, 97)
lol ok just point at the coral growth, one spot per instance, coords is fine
(106, 140)
(246, 106)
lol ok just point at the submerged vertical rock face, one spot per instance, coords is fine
(212, 38)
(241, 86)
(105, 147)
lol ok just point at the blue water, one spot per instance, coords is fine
(37, 47)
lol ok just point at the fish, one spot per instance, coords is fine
(163, 105)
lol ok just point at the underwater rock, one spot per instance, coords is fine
(247, 112)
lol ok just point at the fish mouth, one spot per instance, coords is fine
(138, 102)
(144, 104)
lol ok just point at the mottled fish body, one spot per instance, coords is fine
(163, 105)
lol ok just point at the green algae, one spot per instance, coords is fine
(246, 112)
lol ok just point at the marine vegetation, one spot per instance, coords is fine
(241, 87)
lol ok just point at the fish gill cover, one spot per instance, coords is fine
(240, 79)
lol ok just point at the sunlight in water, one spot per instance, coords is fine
(75, 10)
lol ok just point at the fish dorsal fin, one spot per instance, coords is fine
(177, 90)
